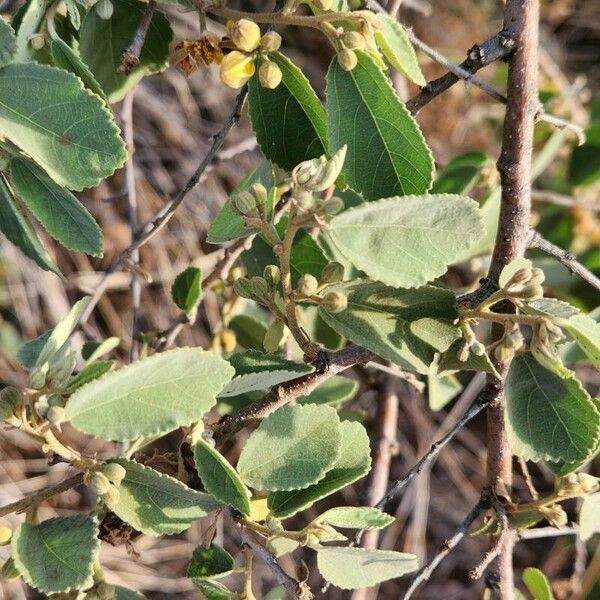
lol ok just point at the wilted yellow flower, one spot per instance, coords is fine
(245, 34)
(236, 69)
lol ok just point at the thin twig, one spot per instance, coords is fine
(527, 478)
(562, 200)
(545, 532)
(164, 215)
(564, 257)
(29, 501)
(130, 56)
(425, 573)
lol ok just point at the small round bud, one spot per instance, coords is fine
(99, 483)
(503, 353)
(333, 206)
(306, 170)
(61, 9)
(245, 34)
(269, 75)
(112, 496)
(274, 336)
(114, 472)
(523, 275)
(347, 59)
(530, 293)
(236, 69)
(514, 338)
(332, 273)
(537, 276)
(588, 482)
(307, 285)
(235, 274)
(568, 485)
(260, 289)
(477, 348)
(9, 571)
(228, 340)
(56, 415)
(270, 42)
(334, 302)
(38, 41)
(245, 204)
(354, 40)
(272, 275)
(10, 401)
(5, 535)
(105, 9)
(243, 288)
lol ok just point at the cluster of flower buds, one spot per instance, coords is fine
(239, 65)
(543, 344)
(252, 204)
(309, 286)
(470, 345)
(106, 481)
(260, 289)
(577, 484)
(525, 285)
(511, 342)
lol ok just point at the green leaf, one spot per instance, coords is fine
(397, 49)
(356, 517)
(249, 332)
(29, 21)
(151, 396)
(583, 166)
(157, 504)
(334, 391)
(78, 145)
(441, 390)
(289, 122)
(460, 174)
(449, 362)
(18, 231)
(404, 326)
(103, 40)
(586, 332)
(292, 448)
(219, 478)
(589, 517)
(209, 562)
(8, 43)
(57, 555)
(67, 58)
(228, 224)
(354, 462)
(407, 241)
(257, 371)
(59, 212)
(387, 154)
(549, 417)
(88, 374)
(214, 590)
(186, 291)
(353, 568)
(537, 584)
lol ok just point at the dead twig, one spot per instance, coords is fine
(130, 57)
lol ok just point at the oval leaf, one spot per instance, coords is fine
(63, 126)
(291, 449)
(548, 416)
(289, 122)
(589, 517)
(57, 555)
(157, 504)
(151, 396)
(387, 153)
(407, 241)
(59, 212)
(219, 478)
(356, 517)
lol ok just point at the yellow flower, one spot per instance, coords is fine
(245, 34)
(236, 69)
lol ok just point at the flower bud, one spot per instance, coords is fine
(477, 348)
(463, 352)
(269, 75)
(537, 276)
(245, 203)
(260, 194)
(243, 288)
(236, 69)
(555, 515)
(260, 289)
(568, 485)
(38, 41)
(334, 302)
(270, 42)
(306, 170)
(9, 571)
(503, 353)
(588, 482)
(99, 483)
(245, 34)
(319, 174)
(274, 336)
(523, 275)
(354, 40)
(530, 292)
(514, 339)
(307, 285)
(272, 275)
(56, 415)
(10, 401)
(112, 496)
(332, 273)
(5, 535)
(347, 59)
(228, 340)
(105, 9)
(235, 274)
(114, 472)
(333, 206)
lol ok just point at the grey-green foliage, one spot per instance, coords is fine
(57, 555)
(8, 43)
